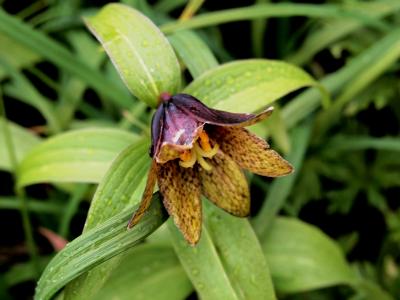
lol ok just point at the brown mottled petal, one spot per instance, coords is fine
(180, 188)
(226, 186)
(197, 110)
(147, 195)
(250, 152)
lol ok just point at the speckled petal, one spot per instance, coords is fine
(194, 108)
(180, 188)
(250, 152)
(225, 185)
(147, 195)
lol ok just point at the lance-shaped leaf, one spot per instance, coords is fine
(96, 246)
(140, 52)
(23, 142)
(303, 258)
(248, 85)
(77, 156)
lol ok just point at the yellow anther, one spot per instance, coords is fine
(186, 155)
(201, 148)
(188, 159)
(204, 141)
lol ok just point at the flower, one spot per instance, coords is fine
(198, 150)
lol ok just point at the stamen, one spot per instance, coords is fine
(209, 153)
(188, 159)
(201, 148)
(203, 163)
(204, 141)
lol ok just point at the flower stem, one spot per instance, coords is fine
(19, 192)
(191, 8)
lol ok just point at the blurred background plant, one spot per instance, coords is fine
(329, 231)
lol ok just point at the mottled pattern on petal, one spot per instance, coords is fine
(147, 195)
(194, 108)
(180, 188)
(250, 152)
(225, 185)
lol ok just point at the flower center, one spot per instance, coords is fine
(201, 148)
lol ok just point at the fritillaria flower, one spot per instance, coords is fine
(197, 150)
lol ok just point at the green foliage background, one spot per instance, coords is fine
(73, 134)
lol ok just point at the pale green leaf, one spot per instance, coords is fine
(121, 186)
(203, 266)
(248, 85)
(96, 246)
(148, 272)
(240, 253)
(302, 258)
(76, 156)
(15, 54)
(23, 141)
(141, 54)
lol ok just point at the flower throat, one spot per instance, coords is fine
(201, 148)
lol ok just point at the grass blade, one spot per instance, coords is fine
(39, 43)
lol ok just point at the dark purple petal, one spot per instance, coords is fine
(173, 132)
(157, 124)
(201, 112)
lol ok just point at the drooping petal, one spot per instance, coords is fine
(250, 152)
(201, 112)
(226, 186)
(147, 195)
(180, 188)
(179, 132)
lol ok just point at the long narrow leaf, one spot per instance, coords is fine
(60, 56)
(97, 246)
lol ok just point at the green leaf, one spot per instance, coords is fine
(333, 30)
(269, 10)
(303, 258)
(376, 68)
(148, 272)
(49, 49)
(23, 141)
(21, 88)
(15, 54)
(308, 101)
(203, 265)
(192, 50)
(76, 156)
(248, 85)
(96, 246)
(240, 253)
(358, 142)
(123, 185)
(141, 54)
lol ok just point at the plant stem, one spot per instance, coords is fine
(191, 8)
(19, 192)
